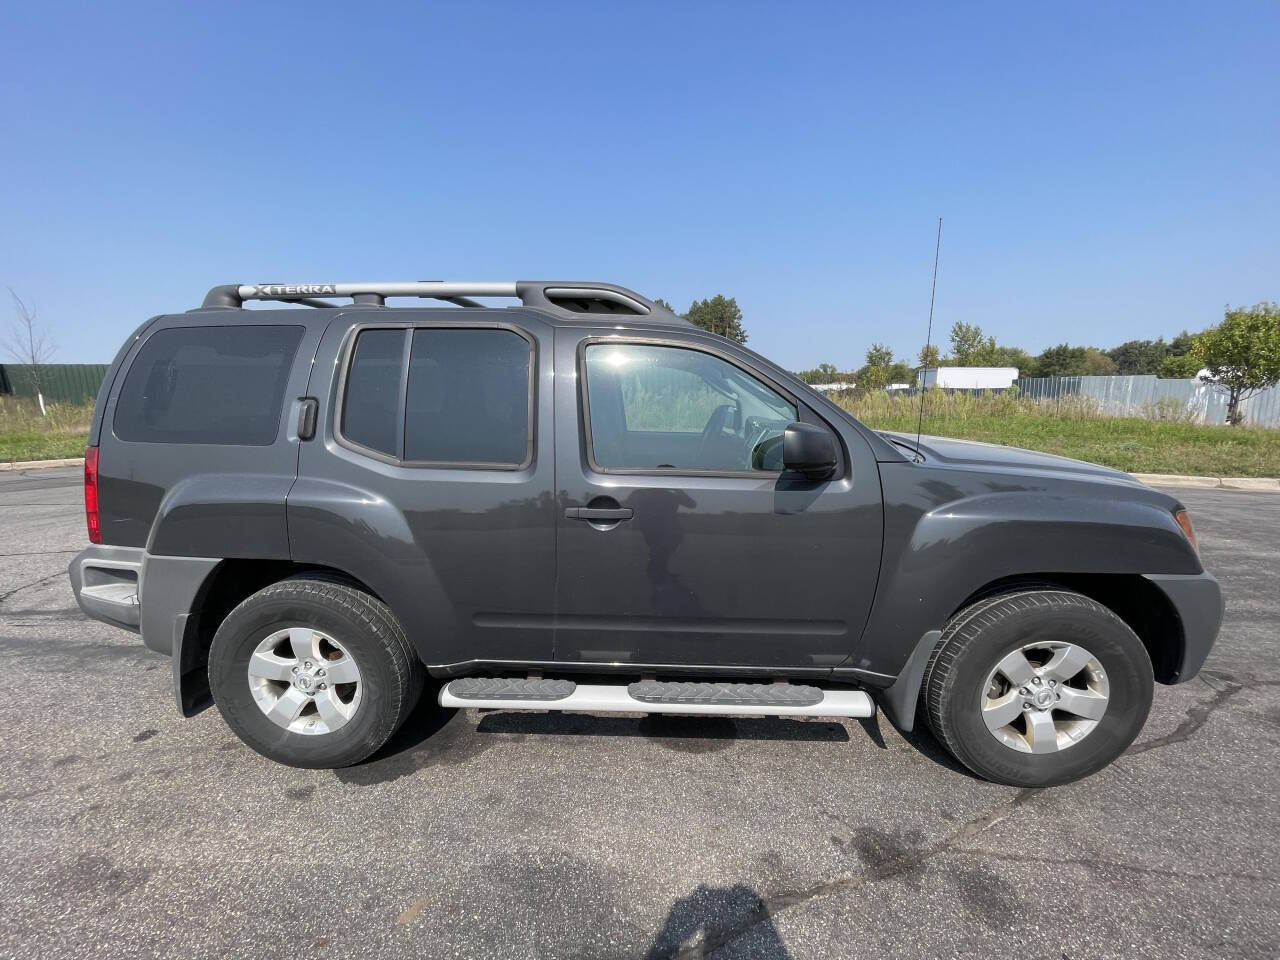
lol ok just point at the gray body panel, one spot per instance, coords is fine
(951, 528)
(465, 557)
(751, 575)
(744, 571)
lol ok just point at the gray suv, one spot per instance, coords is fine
(582, 502)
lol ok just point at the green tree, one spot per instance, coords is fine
(1097, 364)
(1009, 357)
(1139, 357)
(1178, 363)
(874, 375)
(1065, 360)
(1241, 354)
(822, 373)
(878, 355)
(928, 356)
(969, 347)
(900, 372)
(720, 315)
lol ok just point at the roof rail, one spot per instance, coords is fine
(570, 298)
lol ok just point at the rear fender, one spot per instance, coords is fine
(223, 515)
(335, 524)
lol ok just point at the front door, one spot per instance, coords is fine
(680, 539)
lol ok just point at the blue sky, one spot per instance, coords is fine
(1104, 172)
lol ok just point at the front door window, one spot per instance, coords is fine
(655, 407)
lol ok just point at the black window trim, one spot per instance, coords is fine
(344, 370)
(711, 350)
(135, 351)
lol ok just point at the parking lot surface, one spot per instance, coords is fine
(126, 831)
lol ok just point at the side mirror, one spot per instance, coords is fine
(809, 450)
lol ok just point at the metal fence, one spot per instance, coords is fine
(1154, 398)
(59, 382)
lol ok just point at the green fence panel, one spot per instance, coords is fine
(60, 382)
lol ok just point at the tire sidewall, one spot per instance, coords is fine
(1109, 640)
(251, 623)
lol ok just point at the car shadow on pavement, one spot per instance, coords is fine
(922, 740)
(713, 917)
(663, 727)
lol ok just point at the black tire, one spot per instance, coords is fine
(390, 673)
(977, 639)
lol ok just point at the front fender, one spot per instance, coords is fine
(948, 534)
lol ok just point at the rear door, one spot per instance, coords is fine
(680, 540)
(426, 479)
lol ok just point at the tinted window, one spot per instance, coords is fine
(371, 400)
(656, 407)
(468, 397)
(208, 385)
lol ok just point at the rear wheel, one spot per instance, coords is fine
(313, 673)
(1037, 688)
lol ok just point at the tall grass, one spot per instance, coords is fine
(26, 435)
(1076, 427)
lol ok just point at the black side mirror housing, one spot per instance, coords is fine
(809, 450)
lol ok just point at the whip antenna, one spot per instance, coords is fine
(928, 339)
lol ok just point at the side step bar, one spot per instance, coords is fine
(652, 696)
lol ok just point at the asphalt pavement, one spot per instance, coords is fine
(126, 831)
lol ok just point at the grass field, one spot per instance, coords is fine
(1075, 429)
(1070, 429)
(25, 435)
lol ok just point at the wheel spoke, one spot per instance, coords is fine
(1017, 668)
(1083, 703)
(1066, 663)
(303, 642)
(288, 707)
(341, 671)
(1042, 735)
(1001, 712)
(270, 667)
(332, 710)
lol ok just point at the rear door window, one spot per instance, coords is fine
(371, 400)
(468, 398)
(209, 385)
(467, 402)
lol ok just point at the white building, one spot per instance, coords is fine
(968, 378)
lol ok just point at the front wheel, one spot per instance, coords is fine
(313, 673)
(1037, 688)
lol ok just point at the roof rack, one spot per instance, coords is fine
(567, 298)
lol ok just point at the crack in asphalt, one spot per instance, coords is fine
(1197, 715)
(34, 583)
(772, 905)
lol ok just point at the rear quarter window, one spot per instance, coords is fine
(209, 385)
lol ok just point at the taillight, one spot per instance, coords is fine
(1184, 522)
(91, 494)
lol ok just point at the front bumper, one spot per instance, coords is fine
(1197, 598)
